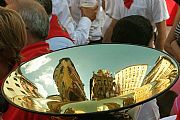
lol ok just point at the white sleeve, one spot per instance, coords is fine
(164, 8)
(59, 8)
(159, 10)
(81, 32)
(78, 32)
(149, 111)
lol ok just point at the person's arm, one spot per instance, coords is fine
(115, 17)
(159, 14)
(82, 30)
(175, 48)
(161, 29)
(78, 32)
(109, 31)
(171, 35)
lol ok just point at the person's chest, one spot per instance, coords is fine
(138, 7)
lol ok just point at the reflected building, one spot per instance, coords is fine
(143, 93)
(161, 74)
(130, 78)
(133, 79)
(108, 106)
(134, 82)
(163, 69)
(102, 85)
(37, 104)
(19, 85)
(55, 103)
(68, 81)
(160, 85)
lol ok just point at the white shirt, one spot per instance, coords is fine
(149, 111)
(146, 111)
(154, 10)
(78, 32)
(95, 30)
(109, 7)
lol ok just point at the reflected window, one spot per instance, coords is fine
(19, 98)
(23, 92)
(17, 85)
(10, 89)
(69, 70)
(15, 79)
(61, 70)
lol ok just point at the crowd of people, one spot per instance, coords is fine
(31, 28)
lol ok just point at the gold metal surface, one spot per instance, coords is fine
(80, 81)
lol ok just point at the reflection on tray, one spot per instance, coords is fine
(130, 85)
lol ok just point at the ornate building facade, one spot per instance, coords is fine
(102, 85)
(130, 78)
(67, 79)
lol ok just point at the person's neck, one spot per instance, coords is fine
(32, 39)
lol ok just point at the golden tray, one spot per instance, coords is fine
(91, 79)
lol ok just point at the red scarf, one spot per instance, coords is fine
(128, 3)
(56, 30)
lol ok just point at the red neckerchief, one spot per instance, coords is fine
(128, 3)
(56, 30)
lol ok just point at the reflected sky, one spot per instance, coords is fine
(87, 59)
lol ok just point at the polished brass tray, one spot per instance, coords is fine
(90, 79)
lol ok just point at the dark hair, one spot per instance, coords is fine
(133, 29)
(177, 1)
(47, 4)
(2, 3)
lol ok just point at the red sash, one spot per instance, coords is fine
(56, 30)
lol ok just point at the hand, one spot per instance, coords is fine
(89, 12)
